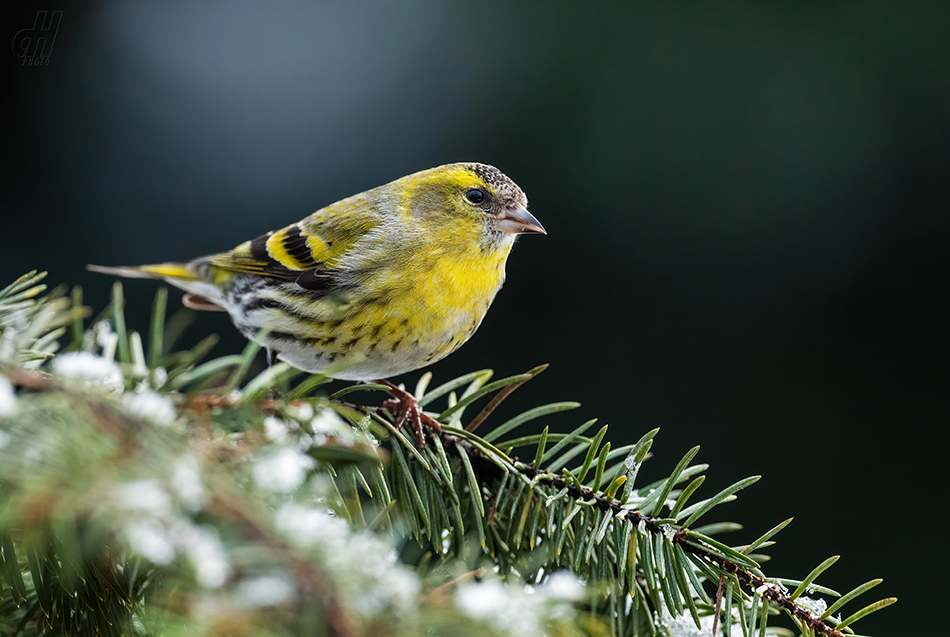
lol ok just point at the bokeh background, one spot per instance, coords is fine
(747, 208)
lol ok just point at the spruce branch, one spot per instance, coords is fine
(287, 514)
(698, 547)
(717, 560)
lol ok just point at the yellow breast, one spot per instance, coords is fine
(423, 305)
(438, 290)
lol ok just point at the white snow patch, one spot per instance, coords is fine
(91, 370)
(304, 412)
(149, 539)
(207, 555)
(814, 606)
(517, 610)
(8, 406)
(328, 424)
(684, 626)
(186, 482)
(365, 567)
(147, 404)
(306, 526)
(146, 496)
(282, 470)
(276, 430)
(267, 590)
(563, 585)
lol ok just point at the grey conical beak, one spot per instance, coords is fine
(519, 221)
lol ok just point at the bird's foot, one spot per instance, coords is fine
(405, 408)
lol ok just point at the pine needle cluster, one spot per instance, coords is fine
(148, 491)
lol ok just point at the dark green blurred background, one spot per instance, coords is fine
(746, 206)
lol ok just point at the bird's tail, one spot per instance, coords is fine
(201, 294)
(172, 271)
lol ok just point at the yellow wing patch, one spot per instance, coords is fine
(295, 249)
(318, 248)
(310, 245)
(283, 254)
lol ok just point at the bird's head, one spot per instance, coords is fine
(478, 197)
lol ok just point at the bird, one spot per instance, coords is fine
(373, 286)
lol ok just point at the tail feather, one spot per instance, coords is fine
(201, 294)
(159, 271)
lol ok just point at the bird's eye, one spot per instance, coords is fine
(475, 195)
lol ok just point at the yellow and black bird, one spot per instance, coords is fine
(378, 284)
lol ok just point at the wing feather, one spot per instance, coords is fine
(306, 251)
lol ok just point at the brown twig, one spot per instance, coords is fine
(722, 582)
(497, 399)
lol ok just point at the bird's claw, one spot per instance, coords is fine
(405, 408)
